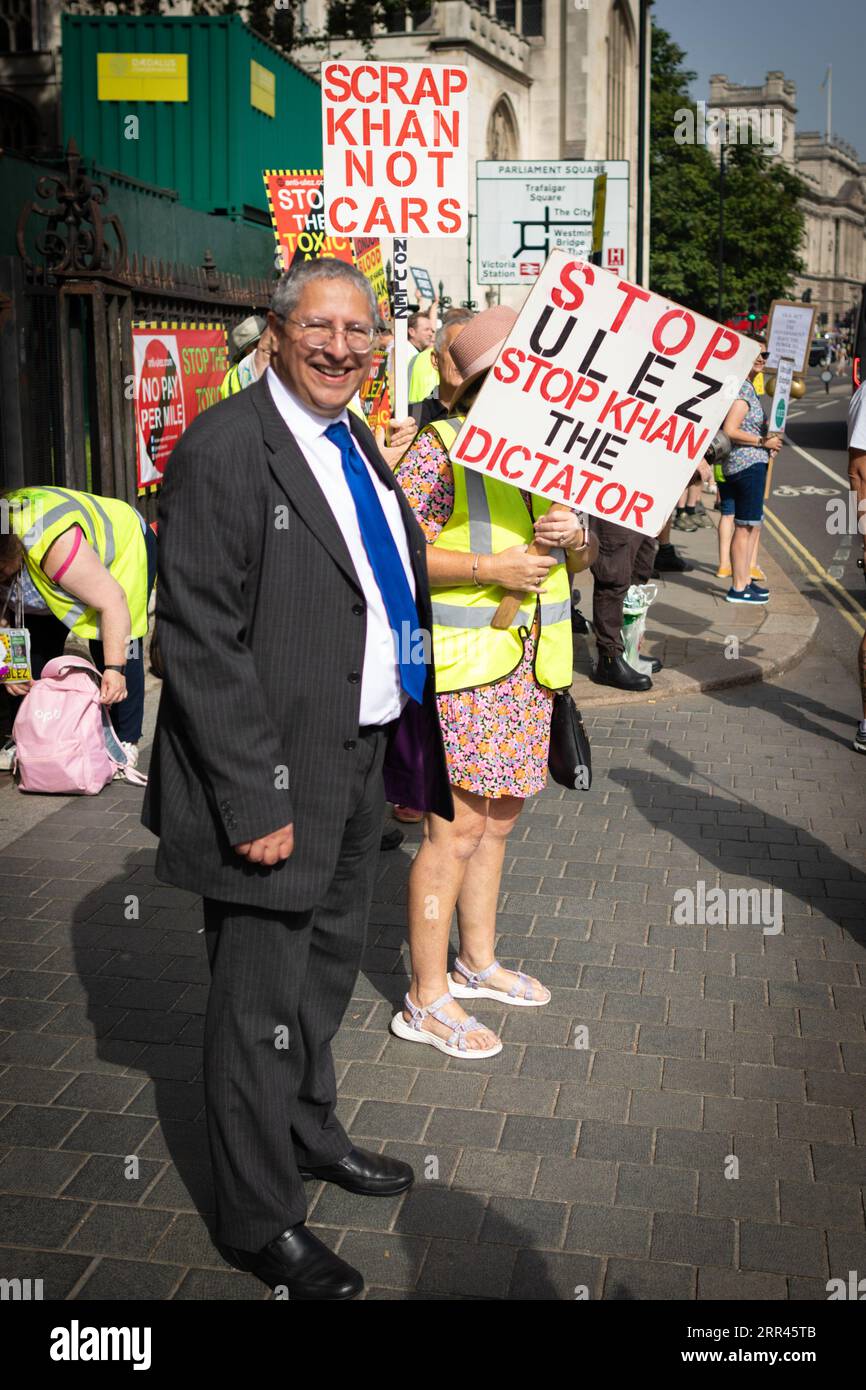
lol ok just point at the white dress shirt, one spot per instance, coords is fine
(382, 696)
(857, 419)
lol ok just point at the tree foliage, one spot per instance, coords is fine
(282, 21)
(763, 223)
(763, 227)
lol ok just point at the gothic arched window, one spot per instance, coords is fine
(502, 141)
(620, 67)
(16, 29)
(19, 124)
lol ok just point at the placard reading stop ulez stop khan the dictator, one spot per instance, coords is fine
(605, 396)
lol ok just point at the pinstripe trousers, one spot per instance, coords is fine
(280, 984)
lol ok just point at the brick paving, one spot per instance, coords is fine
(552, 1168)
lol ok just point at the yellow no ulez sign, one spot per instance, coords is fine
(142, 76)
(263, 88)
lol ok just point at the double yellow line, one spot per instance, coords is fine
(853, 612)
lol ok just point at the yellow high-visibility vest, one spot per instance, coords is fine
(423, 376)
(111, 527)
(230, 384)
(490, 516)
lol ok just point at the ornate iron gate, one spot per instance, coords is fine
(75, 298)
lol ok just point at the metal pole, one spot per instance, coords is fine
(642, 271)
(401, 320)
(469, 260)
(721, 293)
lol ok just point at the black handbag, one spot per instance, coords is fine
(570, 756)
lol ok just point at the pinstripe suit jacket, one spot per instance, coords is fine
(262, 630)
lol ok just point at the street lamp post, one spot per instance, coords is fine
(721, 292)
(469, 302)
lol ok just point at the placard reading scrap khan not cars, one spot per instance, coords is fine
(605, 396)
(178, 371)
(395, 149)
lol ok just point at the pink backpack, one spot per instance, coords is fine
(64, 739)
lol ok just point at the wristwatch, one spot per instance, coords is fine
(121, 669)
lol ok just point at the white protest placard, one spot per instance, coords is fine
(605, 396)
(395, 139)
(781, 396)
(526, 207)
(790, 331)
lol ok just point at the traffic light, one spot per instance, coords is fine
(753, 307)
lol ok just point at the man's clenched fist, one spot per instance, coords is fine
(269, 849)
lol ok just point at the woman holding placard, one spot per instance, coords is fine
(495, 694)
(745, 470)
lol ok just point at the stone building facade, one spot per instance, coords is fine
(29, 74)
(550, 79)
(834, 238)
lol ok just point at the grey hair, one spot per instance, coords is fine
(461, 316)
(292, 284)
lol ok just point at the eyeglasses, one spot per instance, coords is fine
(764, 355)
(319, 335)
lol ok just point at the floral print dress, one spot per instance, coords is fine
(496, 736)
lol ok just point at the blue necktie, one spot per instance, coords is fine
(384, 560)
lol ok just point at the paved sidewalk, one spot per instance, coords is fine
(690, 629)
(554, 1167)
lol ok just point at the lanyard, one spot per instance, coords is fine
(18, 588)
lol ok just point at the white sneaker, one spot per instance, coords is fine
(7, 755)
(131, 751)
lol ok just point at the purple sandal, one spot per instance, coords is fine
(473, 984)
(455, 1044)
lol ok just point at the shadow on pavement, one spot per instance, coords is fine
(820, 433)
(145, 986)
(845, 910)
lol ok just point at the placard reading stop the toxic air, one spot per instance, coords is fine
(178, 371)
(395, 139)
(605, 396)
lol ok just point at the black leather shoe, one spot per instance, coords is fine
(301, 1264)
(391, 839)
(615, 670)
(579, 625)
(669, 561)
(373, 1175)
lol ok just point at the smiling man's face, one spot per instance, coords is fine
(324, 378)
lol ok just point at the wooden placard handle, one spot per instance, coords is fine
(509, 606)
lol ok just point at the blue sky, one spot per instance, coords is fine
(746, 39)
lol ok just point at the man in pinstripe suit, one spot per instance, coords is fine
(288, 560)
